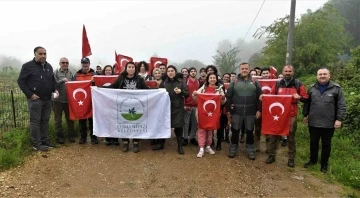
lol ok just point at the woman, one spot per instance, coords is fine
(177, 90)
(211, 86)
(129, 79)
(157, 76)
(107, 71)
(143, 69)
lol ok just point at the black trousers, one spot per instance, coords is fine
(221, 130)
(236, 133)
(325, 134)
(178, 133)
(83, 128)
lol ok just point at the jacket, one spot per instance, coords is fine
(176, 100)
(282, 88)
(59, 75)
(118, 84)
(243, 96)
(323, 109)
(80, 75)
(37, 79)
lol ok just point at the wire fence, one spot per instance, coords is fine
(14, 111)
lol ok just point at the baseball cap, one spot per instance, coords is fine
(85, 60)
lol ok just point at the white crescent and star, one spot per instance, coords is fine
(277, 104)
(209, 102)
(77, 91)
(123, 59)
(266, 88)
(157, 62)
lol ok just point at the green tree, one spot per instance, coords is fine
(227, 61)
(318, 39)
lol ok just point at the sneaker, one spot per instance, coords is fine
(200, 154)
(209, 150)
(108, 143)
(49, 144)
(136, 148)
(40, 148)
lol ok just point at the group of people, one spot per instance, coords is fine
(324, 106)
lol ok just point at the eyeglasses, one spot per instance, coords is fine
(65, 63)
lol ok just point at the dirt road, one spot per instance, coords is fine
(88, 170)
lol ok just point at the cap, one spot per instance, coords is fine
(85, 60)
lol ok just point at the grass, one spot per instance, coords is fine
(344, 162)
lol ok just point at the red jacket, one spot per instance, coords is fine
(193, 85)
(281, 88)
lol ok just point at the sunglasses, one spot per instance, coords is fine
(64, 62)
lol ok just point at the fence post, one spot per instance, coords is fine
(13, 107)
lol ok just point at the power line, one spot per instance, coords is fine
(252, 23)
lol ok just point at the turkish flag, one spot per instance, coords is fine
(276, 111)
(79, 99)
(105, 80)
(267, 84)
(86, 50)
(273, 72)
(122, 60)
(155, 62)
(151, 84)
(209, 108)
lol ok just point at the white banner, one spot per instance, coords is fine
(121, 113)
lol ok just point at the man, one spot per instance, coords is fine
(232, 76)
(60, 105)
(243, 106)
(162, 68)
(98, 70)
(258, 71)
(86, 73)
(324, 111)
(265, 74)
(190, 110)
(202, 77)
(226, 78)
(37, 82)
(288, 86)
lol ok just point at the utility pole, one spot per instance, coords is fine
(290, 41)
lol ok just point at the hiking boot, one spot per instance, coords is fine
(136, 147)
(60, 140)
(232, 150)
(209, 150)
(291, 163)
(284, 143)
(200, 154)
(180, 150)
(309, 163)
(40, 148)
(270, 159)
(125, 147)
(71, 140)
(49, 144)
(194, 142)
(82, 141)
(94, 140)
(251, 151)
(185, 142)
(324, 167)
(218, 145)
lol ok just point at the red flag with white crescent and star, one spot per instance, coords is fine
(121, 61)
(86, 49)
(79, 99)
(101, 80)
(276, 114)
(267, 84)
(155, 62)
(209, 107)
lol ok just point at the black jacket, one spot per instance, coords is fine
(37, 79)
(118, 84)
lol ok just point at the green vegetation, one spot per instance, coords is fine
(132, 116)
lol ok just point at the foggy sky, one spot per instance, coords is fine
(177, 30)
